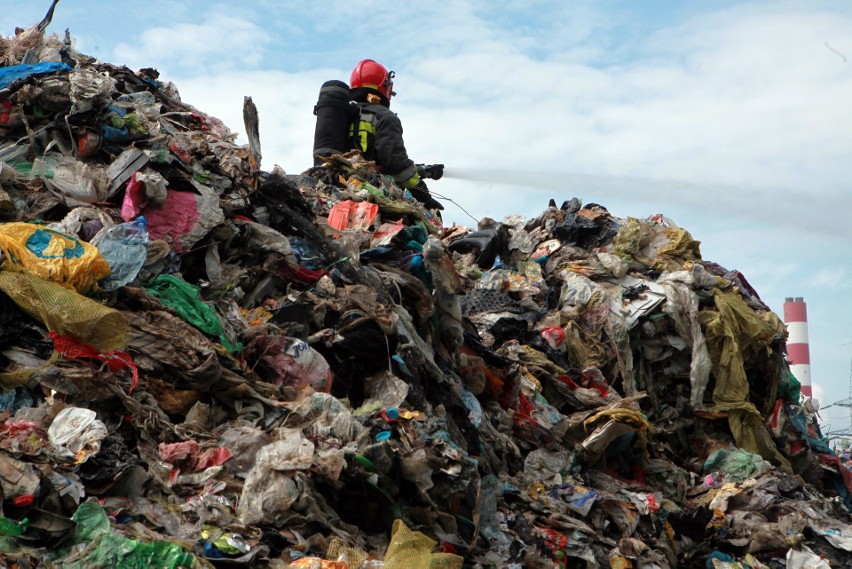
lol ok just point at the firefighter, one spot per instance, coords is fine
(379, 131)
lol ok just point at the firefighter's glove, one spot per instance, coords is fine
(421, 193)
(432, 203)
(430, 171)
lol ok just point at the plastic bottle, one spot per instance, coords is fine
(124, 247)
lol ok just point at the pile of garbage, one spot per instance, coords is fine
(204, 364)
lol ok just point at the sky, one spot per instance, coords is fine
(732, 119)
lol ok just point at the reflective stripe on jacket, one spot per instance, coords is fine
(380, 139)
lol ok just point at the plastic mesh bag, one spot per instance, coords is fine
(66, 312)
(413, 550)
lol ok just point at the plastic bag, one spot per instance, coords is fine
(78, 183)
(282, 360)
(269, 490)
(352, 215)
(330, 422)
(738, 465)
(90, 220)
(125, 248)
(385, 387)
(142, 189)
(184, 217)
(185, 298)
(106, 548)
(90, 87)
(52, 256)
(243, 442)
(76, 433)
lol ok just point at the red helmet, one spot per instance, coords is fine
(372, 74)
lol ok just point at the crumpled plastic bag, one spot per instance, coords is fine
(90, 220)
(269, 490)
(184, 217)
(143, 188)
(76, 182)
(283, 360)
(125, 248)
(682, 305)
(327, 420)
(244, 443)
(738, 464)
(546, 467)
(90, 87)
(577, 290)
(77, 433)
(805, 558)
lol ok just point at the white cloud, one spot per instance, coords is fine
(218, 41)
(831, 278)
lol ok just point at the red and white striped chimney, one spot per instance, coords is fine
(796, 318)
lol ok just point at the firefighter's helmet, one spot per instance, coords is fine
(373, 75)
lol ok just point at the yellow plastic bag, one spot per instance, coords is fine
(52, 256)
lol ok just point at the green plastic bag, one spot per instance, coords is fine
(105, 548)
(185, 299)
(738, 465)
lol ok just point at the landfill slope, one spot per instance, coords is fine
(205, 364)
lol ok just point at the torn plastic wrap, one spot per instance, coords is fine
(125, 248)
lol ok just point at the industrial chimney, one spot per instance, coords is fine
(796, 318)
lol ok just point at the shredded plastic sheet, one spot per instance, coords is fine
(682, 306)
